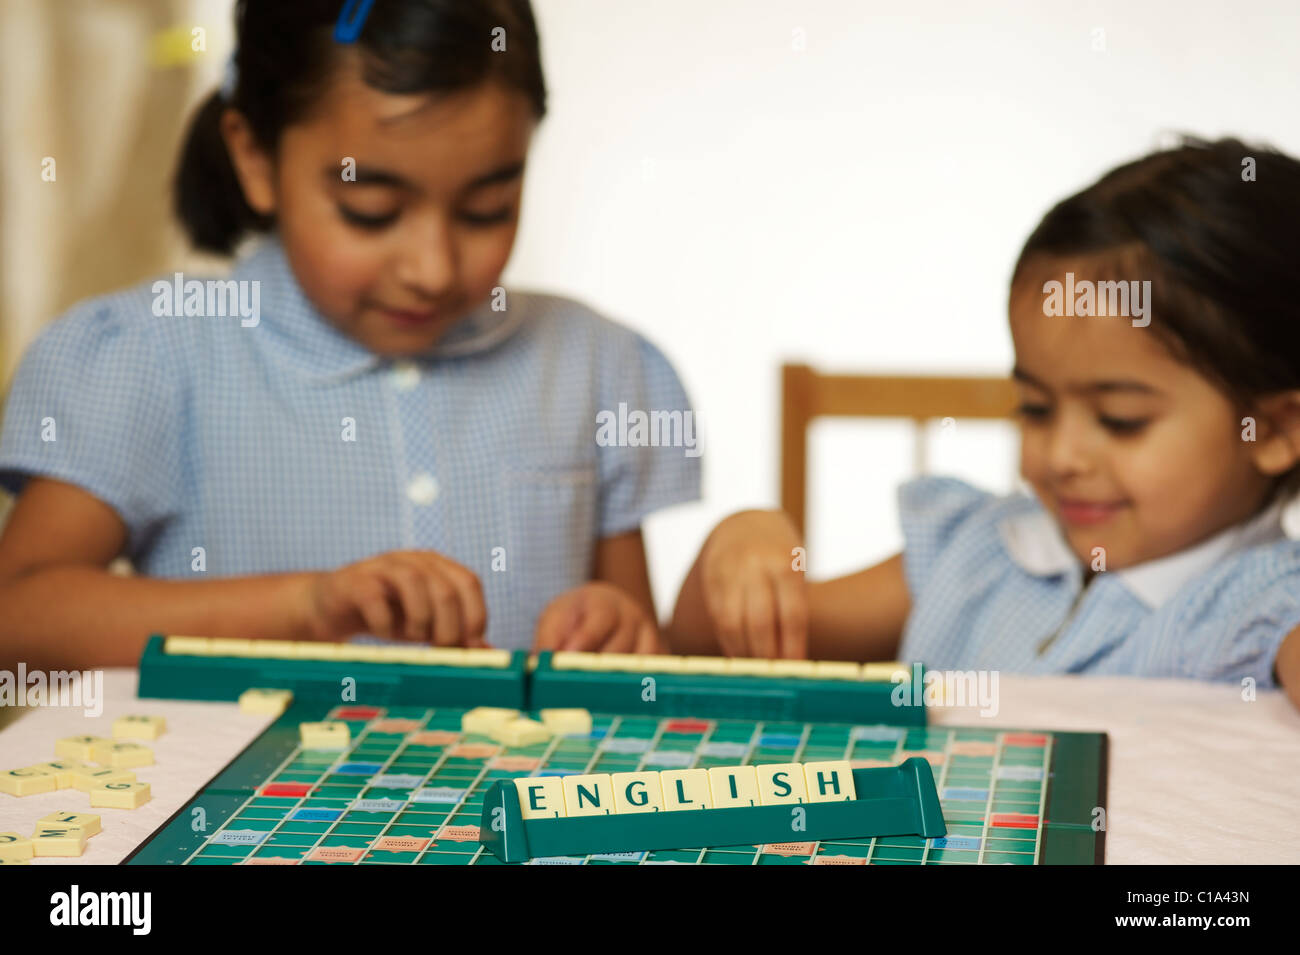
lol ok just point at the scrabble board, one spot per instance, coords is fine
(409, 787)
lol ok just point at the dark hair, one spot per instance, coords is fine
(1221, 251)
(286, 53)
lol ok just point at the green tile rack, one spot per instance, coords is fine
(733, 696)
(194, 677)
(891, 801)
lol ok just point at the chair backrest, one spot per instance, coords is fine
(807, 394)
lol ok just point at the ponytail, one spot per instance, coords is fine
(208, 200)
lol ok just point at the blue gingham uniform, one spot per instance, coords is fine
(991, 578)
(200, 432)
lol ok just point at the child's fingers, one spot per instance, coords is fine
(446, 610)
(624, 638)
(555, 623)
(473, 607)
(792, 614)
(370, 597)
(760, 620)
(406, 581)
(729, 621)
(599, 620)
(647, 639)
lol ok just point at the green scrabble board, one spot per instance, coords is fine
(409, 790)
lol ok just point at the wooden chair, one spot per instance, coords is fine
(807, 394)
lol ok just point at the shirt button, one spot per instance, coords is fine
(422, 489)
(406, 375)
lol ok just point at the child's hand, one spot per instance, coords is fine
(597, 617)
(757, 601)
(401, 595)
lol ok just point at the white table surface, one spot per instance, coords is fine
(1197, 775)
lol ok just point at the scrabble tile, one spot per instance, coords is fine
(837, 670)
(14, 847)
(686, 789)
(540, 797)
(120, 795)
(120, 755)
(733, 786)
(70, 820)
(413, 653)
(358, 653)
(442, 656)
(188, 646)
(366, 652)
(28, 781)
(331, 734)
(265, 702)
(794, 668)
(829, 781)
(629, 662)
(575, 660)
(704, 665)
(781, 783)
(591, 795)
(7, 861)
(315, 650)
(59, 842)
(135, 726)
(64, 769)
(567, 722)
(396, 653)
(485, 657)
(78, 747)
(483, 719)
(749, 666)
(884, 672)
(226, 647)
(637, 792)
(87, 779)
(662, 663)
(273, 649)
(520, 732)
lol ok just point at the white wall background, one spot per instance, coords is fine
(857, 205)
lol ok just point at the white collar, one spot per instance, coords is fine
(1035, 542)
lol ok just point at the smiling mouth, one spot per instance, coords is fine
(1073, 511)
(408, 318)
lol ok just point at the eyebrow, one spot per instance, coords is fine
(374, 176)
(1101, 386)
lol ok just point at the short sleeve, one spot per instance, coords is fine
(94, 403)
(1248, 646)
(648, 440)
(931, 511)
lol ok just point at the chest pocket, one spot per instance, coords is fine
(550, 508)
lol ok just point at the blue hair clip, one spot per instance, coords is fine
(351, 19)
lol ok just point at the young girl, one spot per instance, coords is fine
(381, 440)
(1160, 444)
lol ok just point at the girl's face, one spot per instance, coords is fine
(1130, 450)
(397, 212)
